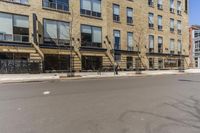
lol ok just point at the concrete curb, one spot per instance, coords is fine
(17, 78)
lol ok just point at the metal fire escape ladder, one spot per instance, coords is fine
(38, 55)
(77, 49)
(109, 49)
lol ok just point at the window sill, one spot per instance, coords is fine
(92, 17)
(87, 48)
(152, 6)
(117, 22)
(151, 28)
(28, 5)
(130, 24)
(15, 44)
(55, 10)
(172, 12)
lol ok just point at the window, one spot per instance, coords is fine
(171, 46)
(172, 6)
(160, 23)
(129, 63)
(160, 4)
(116, 13)
(160, 44)
(171, 25)
(57, 4)
(150, 3)
(92, 63)
(117, 40)
(117, 45)
(151, 43)
(56, 63)
(160, 63)
(151, 21)
(179, 46)
(56, 33)
(186, 6)
(18, 1)
(197, 33)
(179, 7)
(179, 26)
(197, 46)
(130, 41)
(91, 8)
(14, 28)
(129, 15)
(91, 36)
(151, 63)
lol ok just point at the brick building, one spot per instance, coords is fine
(89, 35)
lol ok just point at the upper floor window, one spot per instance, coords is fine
(172, 6)
(186, 6)
(150, 3)
(179, 7)
(160, 44)
(117, 40)
(197, 33)
(14, 28)
(171, 25)
(197, 46)
(151, 43)
(160, 4)
(91, 36)
(129, 15)
(179, 46)
(160, 27)
(130, 41)
(91, 8)
(179, 27)
(116, 13)
(18, 1)
(171, 46)
(56, 33)
(62, 5)
(151, 20)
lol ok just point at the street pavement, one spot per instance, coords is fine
(153, 104)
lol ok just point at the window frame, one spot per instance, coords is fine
(57, 32)
(92, 34)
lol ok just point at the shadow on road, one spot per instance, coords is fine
(187, 80)
(154, 122)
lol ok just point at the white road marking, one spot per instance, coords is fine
(46, 92)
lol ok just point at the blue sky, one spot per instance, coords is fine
(194, 12)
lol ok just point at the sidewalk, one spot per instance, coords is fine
(7, 78)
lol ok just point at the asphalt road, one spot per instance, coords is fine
(157, 104)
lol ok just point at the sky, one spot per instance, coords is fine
(194, 12)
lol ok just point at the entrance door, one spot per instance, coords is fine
(129, 63)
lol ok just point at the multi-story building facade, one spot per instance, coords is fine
(194, 53)
(93, 34)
